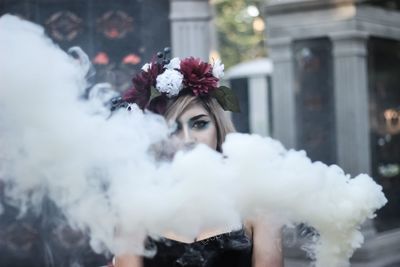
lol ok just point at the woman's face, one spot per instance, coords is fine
(195, 125)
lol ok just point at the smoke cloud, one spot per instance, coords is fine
(96, 166)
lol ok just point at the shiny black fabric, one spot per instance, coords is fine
(232, 249)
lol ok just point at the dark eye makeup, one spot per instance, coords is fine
(200, 124)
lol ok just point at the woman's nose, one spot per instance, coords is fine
(188, 136)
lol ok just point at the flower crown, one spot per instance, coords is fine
(166, 78)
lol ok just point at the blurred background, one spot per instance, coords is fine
(318, 75)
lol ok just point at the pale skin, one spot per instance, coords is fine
(195, 125)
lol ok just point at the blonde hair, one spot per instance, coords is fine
(222, 122)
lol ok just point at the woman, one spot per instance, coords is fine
(187, 94)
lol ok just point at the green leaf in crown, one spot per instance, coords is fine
(154, 93)
(226, 98)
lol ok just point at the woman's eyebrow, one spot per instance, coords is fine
(198, 117)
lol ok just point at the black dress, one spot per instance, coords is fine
(233, 249)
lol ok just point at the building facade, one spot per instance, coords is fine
(335, 94)
(118, 36)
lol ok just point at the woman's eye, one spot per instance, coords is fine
(200, 124)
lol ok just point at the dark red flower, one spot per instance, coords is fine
(197, 76)
(139, 93)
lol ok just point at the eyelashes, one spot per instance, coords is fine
(195, 125)
(200, 124)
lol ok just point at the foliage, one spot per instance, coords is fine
(238, 40)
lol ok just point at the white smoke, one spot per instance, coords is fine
(97, 168)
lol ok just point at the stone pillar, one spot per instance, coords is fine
(283, 94)
(349, 24)
(190, 28)
(351, 101)
(258, 108)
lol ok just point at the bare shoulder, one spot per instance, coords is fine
(128, 261)
(267, 242)
(263, 222)
(248, 227)
(262, 225)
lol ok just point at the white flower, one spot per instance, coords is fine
(146, 67)
(169, 82)
(175, 63)
(133, 107)
(218, 69)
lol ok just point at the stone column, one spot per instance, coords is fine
(351, 101)
(283, 94)
(258, 105)
(190, 28)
